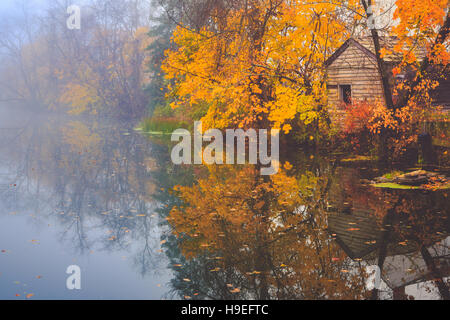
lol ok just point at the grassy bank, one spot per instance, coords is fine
(162, 125)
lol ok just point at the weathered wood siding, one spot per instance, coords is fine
(354, 67)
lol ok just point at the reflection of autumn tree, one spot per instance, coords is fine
(95, 181)
(262, 238)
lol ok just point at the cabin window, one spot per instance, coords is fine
(345, 92)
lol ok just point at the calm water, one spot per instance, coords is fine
(100, 196)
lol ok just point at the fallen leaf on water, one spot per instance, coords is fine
(259, 205)
(235, 290)
(335, 259)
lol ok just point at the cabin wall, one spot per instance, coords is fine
(354, 67)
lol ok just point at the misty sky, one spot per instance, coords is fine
(12, 7)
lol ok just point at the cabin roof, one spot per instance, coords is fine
(359, 234)
(344, 47)
(365, 44)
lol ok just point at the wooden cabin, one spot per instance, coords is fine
(353, 73)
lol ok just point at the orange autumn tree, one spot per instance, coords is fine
(422, 58)
(422, 25)
(258, 62)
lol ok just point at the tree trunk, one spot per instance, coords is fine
(426, 148)
(384, 73)
(382, 68)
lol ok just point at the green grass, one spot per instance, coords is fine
(162, 126)
(391, 185)
(393, 174)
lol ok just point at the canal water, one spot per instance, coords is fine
(107, 198)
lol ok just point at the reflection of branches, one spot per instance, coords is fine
(146, 258)
(91, 187)
(74, 219)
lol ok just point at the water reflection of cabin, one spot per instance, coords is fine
(360, 235)
(353, 73)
